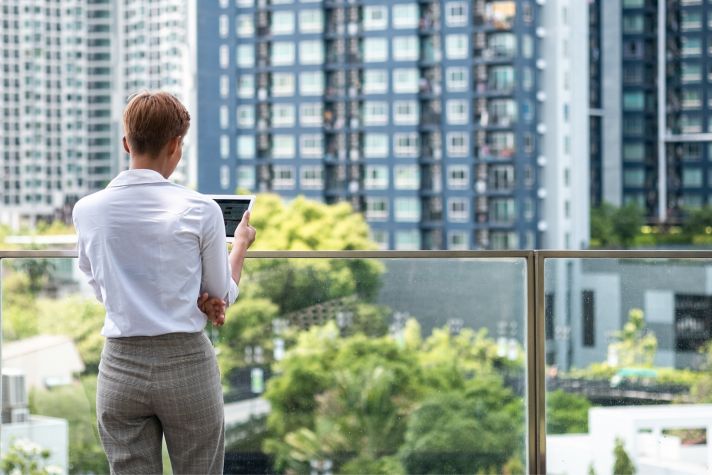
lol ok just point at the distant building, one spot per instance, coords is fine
(45, 360)
(448, 124)
(651, 126)
(675, 296)
(651, 437)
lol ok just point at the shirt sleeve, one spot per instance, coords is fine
(84, 262)
(216, 275)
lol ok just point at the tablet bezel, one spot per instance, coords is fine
(251, 199)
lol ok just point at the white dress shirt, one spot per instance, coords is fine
(150, 248)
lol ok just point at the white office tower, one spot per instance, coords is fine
(565, 131)
(153, 42)
(55, 106)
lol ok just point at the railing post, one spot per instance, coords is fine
(536, 423)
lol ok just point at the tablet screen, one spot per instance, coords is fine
(232, 210)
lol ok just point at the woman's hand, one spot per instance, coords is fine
(244, 233)
(213, 308)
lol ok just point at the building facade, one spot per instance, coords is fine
(55, 98)
(653, 119)
(448, 124)
(67, 70)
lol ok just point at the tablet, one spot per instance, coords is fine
(233, 207)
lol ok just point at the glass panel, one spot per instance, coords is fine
(328, 365)
(627, 365)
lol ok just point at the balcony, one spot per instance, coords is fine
(557, 356)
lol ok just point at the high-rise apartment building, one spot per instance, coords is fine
(55, 103)
(155, 54)
(652, 118)
(449, 124)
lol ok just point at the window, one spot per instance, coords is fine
(457, 112)
(245, 146)
(456, 79)
(283, 146)
(283, 178)
(245, 56)
(282, 84)
(634, 152)
(405, 112)
(589, 330)
(245, 26)
(224, 26)
(407, 177)
(224, 86)
(458, 177)
(311, 83)
(406, 48)
(691, 20)
(549, 315)
(458, 241)
(380, 237)
(376, 177)
(690, 124)
(312, 145)
(224, 177)
(634, 101)
(405, 80)
(375, 145)
(408, 240)
(456, 46)
(501, 177)
(405, 145)
(312, 178)
(224, 117)
(457, 209)
(311, 52)
(405, 15)
(282, 53)
(456, 14)
(246, 86)
(282, 22)
(375, 113)
(407, 210)
(224, 56)
(283, 115)
(457, 144)
(224, 146)
(375, 81)
(504, 45)
(691, 177)
(691, 46)
(245, 116)
(501, 78)
(693, 327)
(246, 177)
(691, 72)
(376, 208)
(634, 178)
(375, 17)
(375, 50)
(692, 151)
(502, 210)
(311, 114)
(633, 23)
(311, 21)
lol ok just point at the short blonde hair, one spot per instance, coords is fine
(152, 119)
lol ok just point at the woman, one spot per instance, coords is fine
(150, 248)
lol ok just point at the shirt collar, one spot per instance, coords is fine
(137, 176)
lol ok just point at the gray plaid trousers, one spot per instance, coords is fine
(166, 385)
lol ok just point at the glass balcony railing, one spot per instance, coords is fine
(403, 362)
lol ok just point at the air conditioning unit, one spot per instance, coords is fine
(14, 396)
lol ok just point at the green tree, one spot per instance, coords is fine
(622, 464)
(19, 307)
(602, 232)
(701, 390)
(636, 345)
(697, 221)
(464, 431)
(627, 221)
(77, 404)
(567, 413)
(79, 318)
